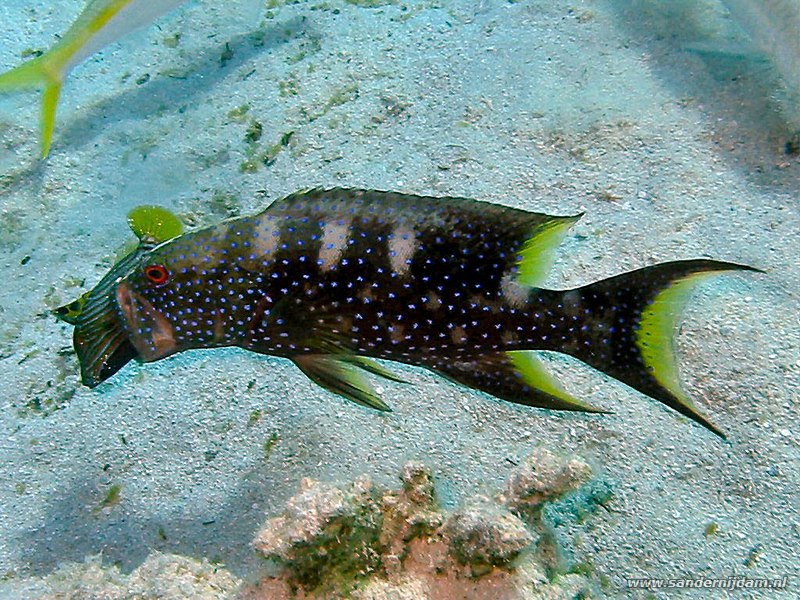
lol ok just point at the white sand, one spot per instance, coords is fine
(606, 107)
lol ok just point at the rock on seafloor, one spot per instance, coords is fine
(361, 542)
(543, 476)
(162, 576)
(325, 533)
(367, 543)
(485, 536)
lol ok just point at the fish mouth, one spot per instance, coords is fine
(100, 341)
(149, 332)
(114, 324)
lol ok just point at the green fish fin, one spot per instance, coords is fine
(154, 224)
(49, 107)
(655, 338)
(69, 313)
(43, 73)
(340, 376)
(635, 316)
(372, 367)
(28, 76)
(516, 376)
(538, 252)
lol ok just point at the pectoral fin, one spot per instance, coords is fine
(341, 375)
(517, 376)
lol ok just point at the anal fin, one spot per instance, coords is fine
(516, 376)
(341, 375)
(372, 367)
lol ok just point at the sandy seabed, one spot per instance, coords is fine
(636, 113)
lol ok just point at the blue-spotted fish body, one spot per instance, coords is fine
(334, 278)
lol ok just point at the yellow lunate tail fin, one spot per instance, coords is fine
(37, 73)
(630, 324)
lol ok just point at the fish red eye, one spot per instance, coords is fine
(158, 274)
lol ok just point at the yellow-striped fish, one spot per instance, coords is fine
(101, 23)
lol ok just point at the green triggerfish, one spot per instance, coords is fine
(332, 279)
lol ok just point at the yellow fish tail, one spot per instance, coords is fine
(49, 106)
(28, 75)
(39, 73)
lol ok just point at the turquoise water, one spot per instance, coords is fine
(639, 114)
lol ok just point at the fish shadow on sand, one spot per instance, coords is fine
(708, 63)
(169, 93)
(79, 519)
(162, 93)
(77, 527)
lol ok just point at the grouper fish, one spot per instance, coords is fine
(334, 278)
(100, 23)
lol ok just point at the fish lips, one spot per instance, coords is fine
(100, 342)
(101, 356)
(149, 331)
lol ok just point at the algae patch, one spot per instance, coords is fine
(270, 443)
(258, 155)
(112, 498)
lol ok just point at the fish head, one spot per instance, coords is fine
(196, 291)
(118, 320)
(143, 299)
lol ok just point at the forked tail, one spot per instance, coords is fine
(622, 326)
(39, 73)
(629, 327)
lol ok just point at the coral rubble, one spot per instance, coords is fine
(542, 477)
(162, 576)
(363, 542)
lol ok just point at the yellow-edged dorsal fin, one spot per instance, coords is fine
(538, 253)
